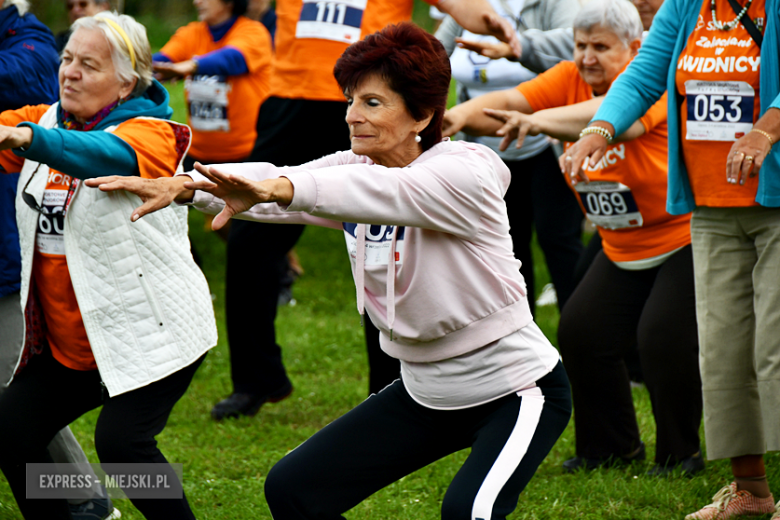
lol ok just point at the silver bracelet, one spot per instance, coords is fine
(600, 130)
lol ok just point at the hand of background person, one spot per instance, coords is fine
(155, 193)
(500, 27)
(517, 126)
(239, 193)
(453, 122)
(15, 137)
(747, 154)
(590, 148)
(164, 70)
(494, 51)
(746, 157)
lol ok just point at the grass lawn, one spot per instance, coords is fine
(225, 464)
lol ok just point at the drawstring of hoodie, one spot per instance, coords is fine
(360, 276)
(360, 271)
(391, 284)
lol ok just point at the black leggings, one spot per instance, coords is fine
(611, 310)
(47, 396)
(390, 435)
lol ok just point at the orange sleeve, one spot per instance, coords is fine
(9, 161)
(182, 44)
(253, 41)
(655, 115)
(550, 89)
(155, 145)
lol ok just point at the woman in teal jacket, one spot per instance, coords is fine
(721, 63)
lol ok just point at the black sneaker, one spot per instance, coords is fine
(238, 404)
(687, 467)
(577, 463)
(95, 509)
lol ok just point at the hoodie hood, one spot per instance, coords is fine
(154, 102)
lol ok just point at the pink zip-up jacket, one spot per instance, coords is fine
(455, 284)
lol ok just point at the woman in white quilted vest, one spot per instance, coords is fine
(117, 314)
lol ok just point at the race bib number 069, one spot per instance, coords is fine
(718, 110)
(337, 21)
(609, 205)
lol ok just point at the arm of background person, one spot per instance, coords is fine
(479, 17)
(644, 81)
(543, 50)
(469, 117)
(447, 32)
(564, 123)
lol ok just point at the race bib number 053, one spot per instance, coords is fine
(609, 205)
(718, 110)
(336, 21)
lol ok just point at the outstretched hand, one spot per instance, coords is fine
(517, 126)
(492, 50)
(239, 193)
(155, 193)
(590, 148)
(15, 137)
(500, 27)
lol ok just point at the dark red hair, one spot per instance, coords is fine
(414, 64)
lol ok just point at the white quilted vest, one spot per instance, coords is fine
(146, 305)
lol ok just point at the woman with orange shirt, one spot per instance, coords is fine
(226, 60)
(117, 316)
(640, 288)
(719, 62)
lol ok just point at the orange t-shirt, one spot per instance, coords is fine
(222, 110)
(626, 195)
(311, 35)
(718, 77)
(154, 143)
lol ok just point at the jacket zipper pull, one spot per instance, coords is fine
(391, 334)
(102, 390)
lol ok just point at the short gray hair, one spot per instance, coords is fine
(120, 54)
(618, 16)
(21, 5)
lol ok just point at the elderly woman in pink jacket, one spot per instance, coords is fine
(428, 237)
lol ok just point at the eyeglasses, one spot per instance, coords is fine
(32, 203)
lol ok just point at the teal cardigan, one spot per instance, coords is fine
(642, 84)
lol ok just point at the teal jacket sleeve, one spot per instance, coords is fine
(83, 155)
(644, 81)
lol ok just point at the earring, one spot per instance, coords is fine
(417, 138)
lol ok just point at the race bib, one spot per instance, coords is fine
(609, 205)
(207, 97)
(378, 242)
(336, 21)
(718, 110)
(50, 238)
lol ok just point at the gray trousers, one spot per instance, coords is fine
(64, 448)
(736, 258)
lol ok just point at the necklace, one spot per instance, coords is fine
(733, 23)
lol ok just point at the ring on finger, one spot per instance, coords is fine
(749, 158)
(568, 158)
